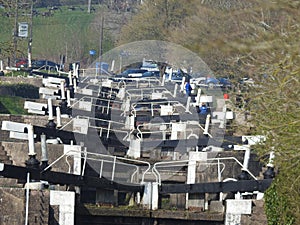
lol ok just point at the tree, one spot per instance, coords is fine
(259, 39)
(156, 20)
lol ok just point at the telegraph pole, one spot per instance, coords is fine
(101, 43)
(15, 38)
(30, 36)
(89, 6)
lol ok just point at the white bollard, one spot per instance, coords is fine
(69, 98)
(62, 89)
(31, 140)
(44, 156)
(75, 85)
(112, 66)
(182, 84)
(246, 158)
(175, 90)
(188, 102)
(58, 117)
(271, 159)
(50, 109)
(70, 78)
(1, 65)
(163, 80)
(206, 125)
(198, 97)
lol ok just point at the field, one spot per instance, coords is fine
(71, 33)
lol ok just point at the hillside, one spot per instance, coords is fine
(68, 31)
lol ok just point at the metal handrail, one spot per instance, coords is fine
(150, 90)
(155, 171)
(140, 132)
(220, 171)
(96, 98)
(84, 155)
(172, 103)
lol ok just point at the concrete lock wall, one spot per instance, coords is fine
(13, 206)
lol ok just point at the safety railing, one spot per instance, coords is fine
(184, 163)
(94, 72)
(137, 82)
(111, 126)
(141, 93)
(110, 104)
(131, 164)
(156, 128)
(154, 106)
(96, 89)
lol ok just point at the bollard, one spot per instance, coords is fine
(182, 85)
(62, 89)
(270, 173)
(44, 157)
(163, 80)
(244, 175)
(175, 90)
(68, 98)
(32, 162)
(58, 117)
(75, 85)
(207, 121)
(187, 109)
(198, 97)
(50, 123)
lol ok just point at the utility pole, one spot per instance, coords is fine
(30, 36)
(101, 42)
(89, 6)
(15, 38)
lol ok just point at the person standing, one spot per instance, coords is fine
(188, 88)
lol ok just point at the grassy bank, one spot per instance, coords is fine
(12, 105)
(71, 33)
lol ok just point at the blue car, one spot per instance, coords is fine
(177, 77)
(212, 82)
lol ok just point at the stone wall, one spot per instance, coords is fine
(13, 206)
(18, 153)
(35, 120)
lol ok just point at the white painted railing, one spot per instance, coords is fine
(208, 162)
(114, 161)
(189, 132)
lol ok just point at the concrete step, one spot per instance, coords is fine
(4, 158)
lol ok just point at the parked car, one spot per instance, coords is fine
(21, 63)
(155, 74)
(212, 82)
(177, 76)
(150, 65)
(39, 64)
(129, 74)
(45, 65)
